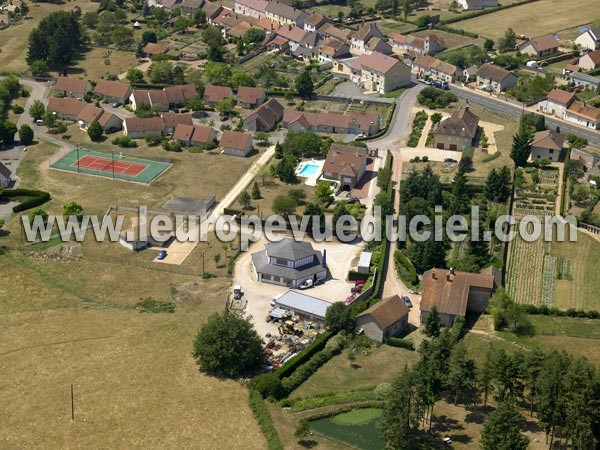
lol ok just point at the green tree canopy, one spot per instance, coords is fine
(502, 431)
(95, 131)
(227, 345)
(340, 317)
(57, 40)
(25, 134)
(304, 84)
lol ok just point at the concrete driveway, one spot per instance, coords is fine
(258, 295)
(348, 89)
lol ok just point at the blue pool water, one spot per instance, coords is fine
(309, 170)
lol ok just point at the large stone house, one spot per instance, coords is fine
(345, 164)
(547, 144)
(361, 37)
(379, 73)
(214, 94)
(457, 132)
(454, 293)
(494, 78)
(250, 97)
(332, 49)
(285, 14)
(386, 318)
(288, 263)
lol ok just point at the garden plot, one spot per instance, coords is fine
(535, 192)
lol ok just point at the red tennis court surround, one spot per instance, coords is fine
(106, 165)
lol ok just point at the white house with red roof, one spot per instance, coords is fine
(379, 73)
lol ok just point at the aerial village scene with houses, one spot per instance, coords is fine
(349, 118)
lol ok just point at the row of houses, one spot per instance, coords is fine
(568, 107)
(351, 123)
(84, 113)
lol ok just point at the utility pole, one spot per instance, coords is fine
(72, 404)
(202, 264)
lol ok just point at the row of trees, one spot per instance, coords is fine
(563, 392)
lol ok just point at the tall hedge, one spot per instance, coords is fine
(37, 198)
(261, 413)
(315, 346)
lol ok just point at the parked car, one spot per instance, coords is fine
(237, 292)
(349, 299)
(161, 255)
(116, 104)
(39, 122)
(352, 200)
(449, 160)
(306, 284)
(319, 281)
(224, 117)
(357, 289)
(407, 301)
(411, 291)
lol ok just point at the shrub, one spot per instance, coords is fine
(124, 142)
(17, 109)
(268, 385)
(406, 271)
(149, 305)
(401, 343)
(436, 98)
(153, 139)
(37, 198)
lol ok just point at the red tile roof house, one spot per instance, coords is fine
(197, 135)
(495, 78)
(540, 46)
(265, 117)
(427, 45)
(251, 8)
(137, 128)
(155, 98)
(454, 293)
(584, 115)
(251, 97)
(456, 132)
(113, 91)
(345, 164)
(236, 143)
(590, 61)
(72, 87)
(214, 94)
(436, 69)
(178, 95)
(388, 317)
(152, 49)
(171, 120)
(351, 123)
(547, 144)
(379, 73)
(66, 108)
(84, 113)
(557, 102)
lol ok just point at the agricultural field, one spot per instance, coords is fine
(533, 19)
(132, 373)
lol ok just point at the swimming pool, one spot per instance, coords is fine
(309, 170)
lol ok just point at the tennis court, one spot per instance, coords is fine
(110, 165)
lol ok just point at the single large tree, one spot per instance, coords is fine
(37, 110)
(400, 417)
(95, 131)
(57, 40)
(521, 147)
(25, 134)
(227, 345)
(340, 317)
(501, 430)
(432, 323)
(461, 373)
(304, 84)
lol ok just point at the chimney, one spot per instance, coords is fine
(433, 275)
(324, 260)
(450, 276)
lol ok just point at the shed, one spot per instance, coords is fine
(304, 306)
(364, 262)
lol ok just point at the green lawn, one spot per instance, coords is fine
(339, 374)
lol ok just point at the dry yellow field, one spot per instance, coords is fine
(135, 383)
(533, 19)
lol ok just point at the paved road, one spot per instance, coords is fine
(348, 89)
(514, 111)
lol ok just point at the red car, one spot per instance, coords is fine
(349, 299)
